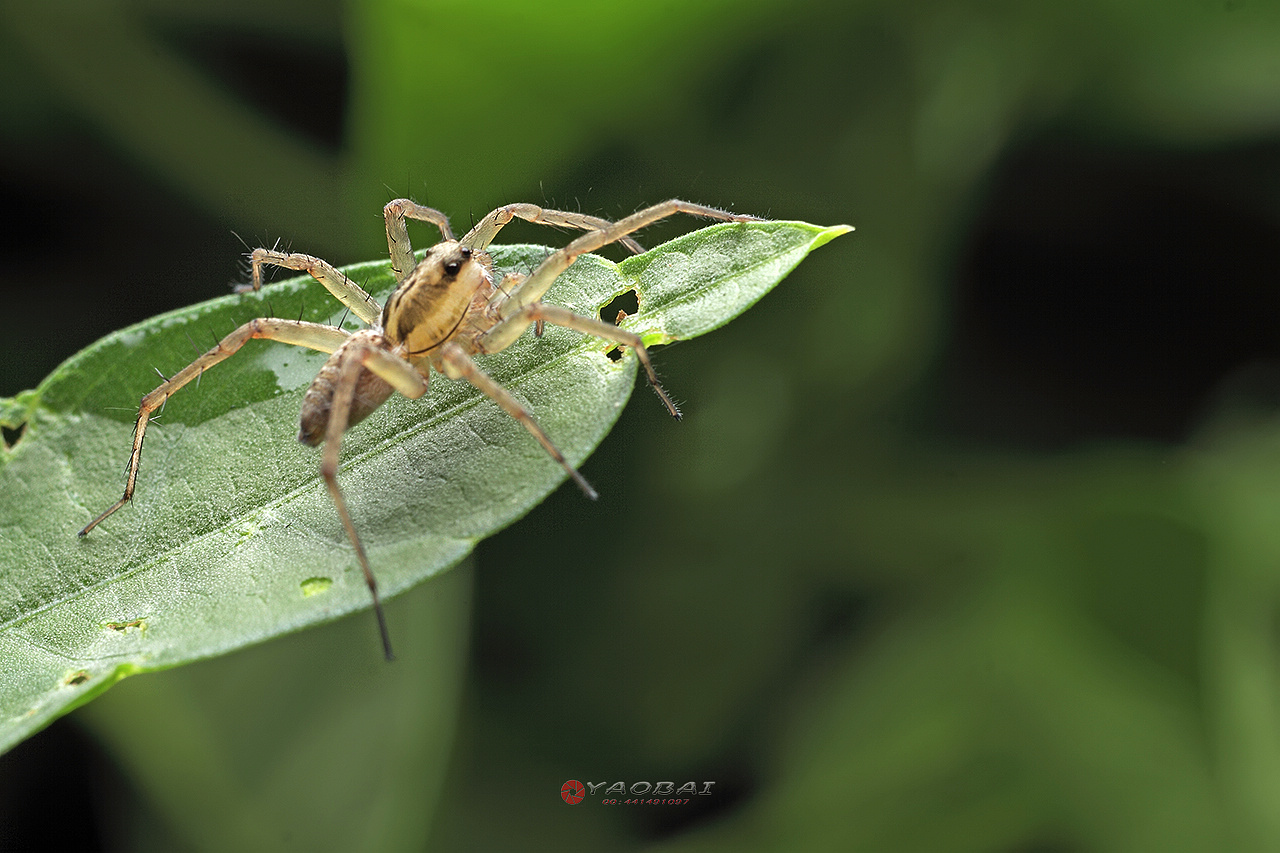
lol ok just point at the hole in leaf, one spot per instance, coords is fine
(75, 678)
(627, 303)
(620, 307)
(124, 627)
(12, 435)
(315, 586)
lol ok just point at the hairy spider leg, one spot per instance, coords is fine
(401, 248)
(362, 351)
(454, 362)
(487, 229)
(533, 287)
(343, 289)
(312, 335)
(398, 244)
(502, 335)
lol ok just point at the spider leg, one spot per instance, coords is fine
(456, 364)
(533, 287)
(398, 233)
(487, 229)
(344, 289)
(360, 353)
(502, 335)
(312, 335)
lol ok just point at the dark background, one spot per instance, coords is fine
(967, 539)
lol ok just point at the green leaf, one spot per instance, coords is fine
(231, 537)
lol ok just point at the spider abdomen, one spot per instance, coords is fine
(371, 391)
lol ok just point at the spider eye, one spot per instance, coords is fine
(451, 267)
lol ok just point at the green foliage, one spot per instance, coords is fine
(875, 631)
(232, 538)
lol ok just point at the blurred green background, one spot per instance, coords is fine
(970, 538)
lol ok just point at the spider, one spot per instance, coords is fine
(444, 309)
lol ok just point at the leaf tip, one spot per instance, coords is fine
(826, 235)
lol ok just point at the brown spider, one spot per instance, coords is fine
(445, 308)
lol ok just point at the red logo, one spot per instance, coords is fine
(572, 792)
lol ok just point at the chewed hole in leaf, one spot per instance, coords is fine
(74, 679)
(619, 308)
(315, 586)
(622, 305)
(15, 411)
(126, 626)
